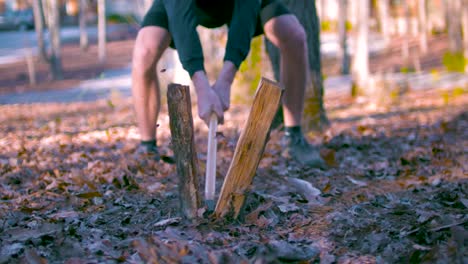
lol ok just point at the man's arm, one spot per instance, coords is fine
(241, 30)
(222, 86)
(182, 25)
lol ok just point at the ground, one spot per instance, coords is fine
(72, 190)
(396, 191)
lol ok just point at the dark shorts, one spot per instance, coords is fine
(157, 15)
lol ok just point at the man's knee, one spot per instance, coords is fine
(297, 37)
(299, 34)
(149, 46)
(144, 56)
(287, 32)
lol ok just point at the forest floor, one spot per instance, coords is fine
(396, 190)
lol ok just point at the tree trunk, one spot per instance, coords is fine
(454, 27)
(102, 30)
(405, 46)
(84, 42)
(384, 19)
(342, 35)
(323, 10)
(39, 27)
(53, 18)
(465, 32)
(360, 67)
(446, 11)
(181, 124)
(315, 117)
(422, 10)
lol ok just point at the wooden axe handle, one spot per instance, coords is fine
(210, 179)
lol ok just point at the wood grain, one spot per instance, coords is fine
(249, 149)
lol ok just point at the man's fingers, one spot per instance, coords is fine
(218, 109)
(225, 105)
(205, 116)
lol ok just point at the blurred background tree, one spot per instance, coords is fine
(84, 41)
(360, 67)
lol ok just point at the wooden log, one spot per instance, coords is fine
(181, 124)
(249, 149)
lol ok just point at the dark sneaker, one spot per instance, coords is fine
(148, 151)
(298, 149)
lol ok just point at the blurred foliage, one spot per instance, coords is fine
(454, 62)
(354, 89)
(121, 19)
(251, 71)
(435, 74)
(456, 92)
(437, 31)
(332, 25)
(326, 25)
(311, 115)
(349, 25)
(407, 70)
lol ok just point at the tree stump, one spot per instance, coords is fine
(181, 124)
(249, 149)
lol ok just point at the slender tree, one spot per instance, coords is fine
(39, 27)
(53, 22)
(314, 115)
(360, 67)
(407, 32)
(84, 42)
(445, 6)
(454, 26)
(422, 10)
(384, 18)
(323, 10)
(465, 32)
(343, 36)
(102, 30)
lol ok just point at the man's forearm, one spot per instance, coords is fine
(200, 82)
(228, 72)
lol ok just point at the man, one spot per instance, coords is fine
(173, 23)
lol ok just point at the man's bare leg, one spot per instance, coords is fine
(286, 33)
(149, 46)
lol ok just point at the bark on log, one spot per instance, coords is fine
(181, 124)
(249, 149)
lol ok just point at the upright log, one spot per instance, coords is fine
(181, 124)
(249, 149)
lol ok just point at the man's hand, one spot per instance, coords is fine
(223, 90)
(208, 100)
(223, 84)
